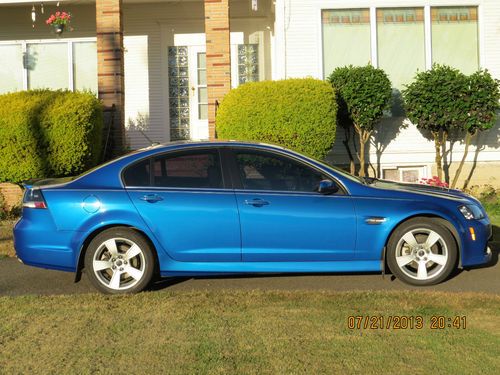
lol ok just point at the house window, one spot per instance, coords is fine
(412, 174)
(455, 37)
(178, 92)
(11, 68)
(346, 38)
(400, 47)
(85, 66)
(51, 64)
(47, 65)
(401, 43)
(248, 63)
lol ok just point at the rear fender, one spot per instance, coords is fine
(101, 222)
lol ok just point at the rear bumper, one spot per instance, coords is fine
(42, 245)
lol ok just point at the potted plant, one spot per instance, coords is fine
(58, 21)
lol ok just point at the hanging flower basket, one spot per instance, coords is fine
(59, 28)
(59, 21)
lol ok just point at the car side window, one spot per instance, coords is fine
(266, 171)
(192, 169)
(137, 174)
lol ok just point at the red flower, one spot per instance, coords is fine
(434, 181)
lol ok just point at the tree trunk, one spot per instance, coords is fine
(444, 158)
(468, 138)
(474, 162)
(352, 166)
(364, 136)
(437, 145)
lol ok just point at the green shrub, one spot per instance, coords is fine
(299, 114)
(72, 129)
(48, 133)
(21, 154)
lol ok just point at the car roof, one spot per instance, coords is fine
(211, 143)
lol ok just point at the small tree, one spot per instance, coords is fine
(478, 109)
(363, 92)
(433, 102)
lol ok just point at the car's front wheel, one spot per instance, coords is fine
(119, 260)
(421, 252)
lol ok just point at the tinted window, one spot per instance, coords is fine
(200, 169)
(137, 174)
(265, 171)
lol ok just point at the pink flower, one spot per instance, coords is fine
(58, 14)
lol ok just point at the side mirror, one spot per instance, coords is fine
(327, 187)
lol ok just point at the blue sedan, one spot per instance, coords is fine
(230, 207)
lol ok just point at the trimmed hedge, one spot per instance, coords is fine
(72, 130)
(299, 114)
(48, 134)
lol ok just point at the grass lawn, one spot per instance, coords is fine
(245, 332)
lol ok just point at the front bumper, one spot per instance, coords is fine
(476, 252)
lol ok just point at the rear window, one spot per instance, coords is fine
(200, 169)
(137, 174)
(187, 169)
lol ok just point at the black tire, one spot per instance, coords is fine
(115, 261)
(421, 232)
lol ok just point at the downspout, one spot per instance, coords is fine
(285, 27)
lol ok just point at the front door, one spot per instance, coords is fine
(187, 92)
(283, 218)
(198, 98)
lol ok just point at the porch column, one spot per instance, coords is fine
(218, 56)
(110, 70)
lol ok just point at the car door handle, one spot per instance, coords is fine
(151, 198)
(257, 202)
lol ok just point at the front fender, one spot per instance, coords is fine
(372, 238)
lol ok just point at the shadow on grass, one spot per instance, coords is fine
(171, 281)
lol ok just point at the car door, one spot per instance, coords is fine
(185, 201)
(283, 217)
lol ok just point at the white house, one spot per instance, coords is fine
(165, 64)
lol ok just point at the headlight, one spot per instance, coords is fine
(471, 212)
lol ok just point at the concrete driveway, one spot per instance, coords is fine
(17, 279)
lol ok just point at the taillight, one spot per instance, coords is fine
(33, 198)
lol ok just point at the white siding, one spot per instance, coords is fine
(301, 31)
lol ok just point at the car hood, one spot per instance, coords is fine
(428, 190)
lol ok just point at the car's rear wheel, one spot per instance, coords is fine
(421, 252)
(119, 260)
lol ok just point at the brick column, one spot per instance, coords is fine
(218, 56)
(110, 70)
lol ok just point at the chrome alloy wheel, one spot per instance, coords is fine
(422, 254)
(119, 263)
